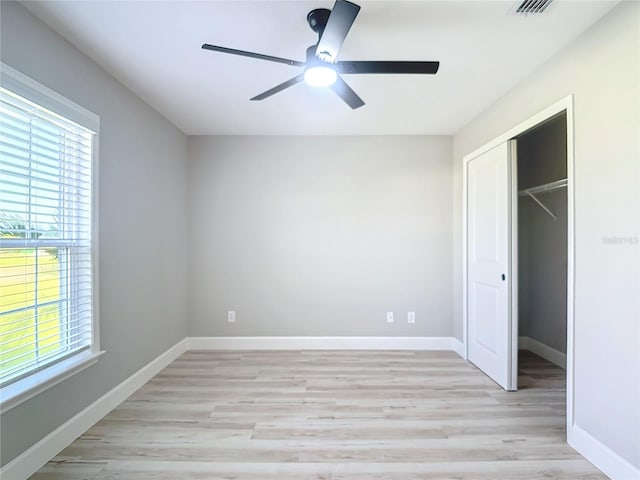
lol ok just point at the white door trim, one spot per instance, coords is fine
(564, 105)
(513, 266)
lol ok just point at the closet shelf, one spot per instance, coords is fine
(545, 188)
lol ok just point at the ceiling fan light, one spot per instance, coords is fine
(320, 76)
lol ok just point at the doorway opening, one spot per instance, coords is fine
(542, 254)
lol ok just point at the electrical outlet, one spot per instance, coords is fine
(231, 316)
(411, 317)
(389, 317)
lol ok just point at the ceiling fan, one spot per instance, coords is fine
(322, 69)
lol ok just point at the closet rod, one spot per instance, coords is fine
(547, 187)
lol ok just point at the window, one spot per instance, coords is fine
(48, 325)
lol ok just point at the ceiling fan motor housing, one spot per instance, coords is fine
(313, 59)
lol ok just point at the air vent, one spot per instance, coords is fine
(530, 7)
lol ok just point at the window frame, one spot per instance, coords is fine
(40, 380)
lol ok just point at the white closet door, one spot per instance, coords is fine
(489, 250)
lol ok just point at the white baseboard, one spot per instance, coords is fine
(322, 343)
(458, 347)
(605, 459)
(546, 352)
(31, 460)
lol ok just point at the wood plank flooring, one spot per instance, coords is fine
(331, 415)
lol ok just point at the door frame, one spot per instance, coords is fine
(564, 105)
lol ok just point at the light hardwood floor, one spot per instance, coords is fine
(331, 415)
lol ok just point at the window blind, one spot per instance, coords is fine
(46, 303)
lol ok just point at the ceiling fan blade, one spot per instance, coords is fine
(345, 92)
(342, 17)
(391, 67)
(260, 56)
(278, 88)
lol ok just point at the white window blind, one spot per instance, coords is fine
(46, 287)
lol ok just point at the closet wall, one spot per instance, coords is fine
(542, 242)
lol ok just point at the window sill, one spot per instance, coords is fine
(14, 394)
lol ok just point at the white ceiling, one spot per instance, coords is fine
(154, 49)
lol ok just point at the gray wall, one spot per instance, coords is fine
(320, 236)
(601, 69)
(542, 242)
(142, 190)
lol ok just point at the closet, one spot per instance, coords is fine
(542, 240)
(518, 249)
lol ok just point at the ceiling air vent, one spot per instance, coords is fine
(529, 7)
